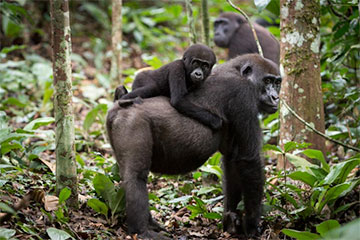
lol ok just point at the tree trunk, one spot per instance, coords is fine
(116, 39)
(205, 21)
(64, 117)
(300, 67)
(190, 19)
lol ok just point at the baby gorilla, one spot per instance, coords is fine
(175, 80)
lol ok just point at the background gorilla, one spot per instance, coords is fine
(232, 31)
(175, 80)
(153, 136)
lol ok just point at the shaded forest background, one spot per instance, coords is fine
(307, 201)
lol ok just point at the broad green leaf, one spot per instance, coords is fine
(35, 124)
(212, 169)
(300, 162)
(215, 159)
(205, 190)
(98, 206)
(272, 147)
(57, 234)
(5, 208)
(300, 235)
(339, 172)
(261, 4)
(104, 187)
(118, 202)
(183, 199)
(14, 101)
(304, 177)
(92, 115)
(212, 215)
(64, 195)
(289, 146)
(331, 194)
(9, 146)
(316, 154)
(6, 233)
(349, 231)
(326, 226)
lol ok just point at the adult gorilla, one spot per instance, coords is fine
(232, 31)
(153, 136)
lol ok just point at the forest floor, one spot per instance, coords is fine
(39, 213)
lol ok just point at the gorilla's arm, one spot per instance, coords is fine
(186, 107)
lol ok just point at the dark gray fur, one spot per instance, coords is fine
(175, 80)
(153, 136)
(232, 31)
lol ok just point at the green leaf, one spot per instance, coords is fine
(336, 191)
(212, 169)
(300, 235)
(326, 226)
(349, 231)
(215, 159)
(5, 208)
(92, 115)
(64, 195)
(196, 175)
(7, 147)
(118, 202)
(339, 172)
(290, 146)
(6, 233)
(98, 206)
(316, 154)
(212, 215)
(267, 147)
(14, 101)
(183, 199)
(12, 48)
(57, 234)
(300, 162)
(304, 177)
(261, 4)
(205, 190)
(104, 187)
(35, 124)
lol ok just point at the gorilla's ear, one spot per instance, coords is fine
(246, 70)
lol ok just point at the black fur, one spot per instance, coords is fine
(176, 80)
(232, 31)
(153, 136)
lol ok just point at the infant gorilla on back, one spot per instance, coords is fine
(175, 80)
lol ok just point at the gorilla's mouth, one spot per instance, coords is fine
(269, 108)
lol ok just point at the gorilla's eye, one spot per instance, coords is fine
(278, 82)
(206, 66)
(195, 64)
(267, 81)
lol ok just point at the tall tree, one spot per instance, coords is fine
(116, 39)
(205, 21)
(190, 19)
(64, 117)
(300, 66)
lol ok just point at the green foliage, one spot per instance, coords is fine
(62, 211)
(114, 199)
(6, 233)
(329, 229)
(57, 234)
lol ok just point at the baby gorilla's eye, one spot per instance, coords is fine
(195, 64)
(206, 67)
